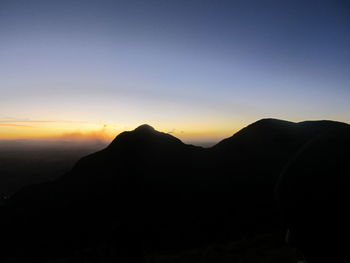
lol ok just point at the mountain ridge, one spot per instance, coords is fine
(162, 190)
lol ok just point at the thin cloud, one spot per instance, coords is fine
(47, 121)
(14, 121)
(171, 131)
(15, 125)
(102, 134)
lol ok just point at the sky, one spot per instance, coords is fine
(200, 70)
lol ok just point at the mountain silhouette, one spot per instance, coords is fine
(149, 191)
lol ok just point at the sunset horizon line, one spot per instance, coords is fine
(70, 130)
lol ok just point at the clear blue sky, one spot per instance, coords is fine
(201, 68)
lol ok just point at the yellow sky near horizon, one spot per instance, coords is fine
(201, 132)
(78, 130)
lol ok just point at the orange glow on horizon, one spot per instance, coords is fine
(78, 130)
(55, 129)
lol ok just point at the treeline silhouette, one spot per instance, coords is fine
(149, 192)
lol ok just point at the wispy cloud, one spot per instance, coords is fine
(54, 121)
(15, 125)
(171, 131)
(13, 122)
(102, 134)
(64, 129)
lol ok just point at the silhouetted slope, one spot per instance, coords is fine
(313, 193)
(148, 189)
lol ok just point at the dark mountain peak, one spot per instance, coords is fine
(145, 128)
(144, 135)
(269, 132)
(260, 129)
(270, 123)
(269, 120)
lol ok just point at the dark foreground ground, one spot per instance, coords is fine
(264, 248)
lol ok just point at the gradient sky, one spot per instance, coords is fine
(198, 69)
